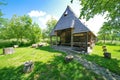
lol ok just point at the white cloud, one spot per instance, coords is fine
(40, 17)
(35, 13)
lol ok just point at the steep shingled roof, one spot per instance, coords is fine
(69, 20)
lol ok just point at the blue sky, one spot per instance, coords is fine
(21, 7)
(42, 10)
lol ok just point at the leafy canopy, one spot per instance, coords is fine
(90, 8)
(21, 28)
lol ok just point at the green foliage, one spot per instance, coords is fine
(21, 28)
(90, 8)
(109, 8)
(50, 25)
(108, 32)
(48, 65)
(108, 42)
(5, 43)
(3, 29)
(35, 33)
(111, 64)
(1, 14)
(10, 43)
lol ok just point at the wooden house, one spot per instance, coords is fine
(70, 31)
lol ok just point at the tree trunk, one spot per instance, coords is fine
(112, 39)
(104, 39)
(17, 41)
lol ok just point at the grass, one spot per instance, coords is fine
(108, 42)
(48, 65)
(111, 64)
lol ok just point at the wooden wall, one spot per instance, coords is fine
(80, 40)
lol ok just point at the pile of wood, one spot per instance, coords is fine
(106, 54)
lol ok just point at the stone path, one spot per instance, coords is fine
(105, 73)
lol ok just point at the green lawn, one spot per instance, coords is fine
(48, 65)
(112, 64)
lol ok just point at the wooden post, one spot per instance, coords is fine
(56, 38)
(71, 38)
(86, 41)
(51, 41)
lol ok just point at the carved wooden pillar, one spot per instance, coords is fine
(71, 38)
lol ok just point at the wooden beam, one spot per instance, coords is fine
(56, 38)
(51, 41)
(71, 38)
(86, 41)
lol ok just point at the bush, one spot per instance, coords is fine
(108, 42)
(10, 43)
(5, 43)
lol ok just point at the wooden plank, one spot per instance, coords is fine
(80, 34)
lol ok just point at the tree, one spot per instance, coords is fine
(19, 27)
(50, 25)
(34, 33)
(108, 32)
(109, 8)
(104, 32)
(90, 8)
(1, 14)
(3, 29)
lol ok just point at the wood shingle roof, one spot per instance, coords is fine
(69, 20)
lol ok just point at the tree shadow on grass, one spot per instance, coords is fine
(117, 50)
(11, 73)
(112, 64)
(57, 69)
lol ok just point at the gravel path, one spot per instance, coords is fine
(105, 73)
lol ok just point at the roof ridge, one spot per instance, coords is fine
(72, 11)
(70, 20)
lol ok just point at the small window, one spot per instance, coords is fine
(66, 13)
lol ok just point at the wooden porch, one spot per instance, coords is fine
(81, 41)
